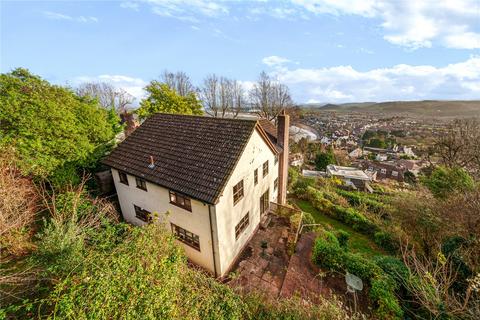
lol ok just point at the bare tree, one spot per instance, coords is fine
(431, 281)
(238, 98)
(222, 96)
(106, 94)
(459, 146)
(178, 81)
(269, 97)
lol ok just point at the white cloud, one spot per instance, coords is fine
(400, 82)
(415, 23)
(274, 61)
(133, 86)
(130, 5)
(188, 10)
(60, 16)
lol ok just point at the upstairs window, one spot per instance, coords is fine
(275, 159)
(395, 173)
(384, 171)
(237, 192)
(123, 177)
(255, 177)
(242, 225)
(141, 184)
(275, 184)
(265, 169)
(186, 237)
(142, 214)
(180, 201)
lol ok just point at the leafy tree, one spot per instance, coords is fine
(445, 181)
(50, 125)
(323, 159)
(377, 143)
(162, 98)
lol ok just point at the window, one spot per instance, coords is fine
(123, 177)
(242, 225)
(141, 184)
(276, 159)
(180, 201)
(265, 169)
(275, 184)
(186, 237)
(142, 214)
(255, 177)
(395, 173)
(384, 171)
(237, 192)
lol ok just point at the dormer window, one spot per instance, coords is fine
(141, 184)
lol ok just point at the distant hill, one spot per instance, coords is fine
(427, 108)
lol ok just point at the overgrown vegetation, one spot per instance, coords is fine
(65, 254)
(430, 264)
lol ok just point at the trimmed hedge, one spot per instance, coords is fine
(327, 253)
(356, 198)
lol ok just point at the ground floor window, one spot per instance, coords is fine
(142, 214)
(242, 225)
(186, 237)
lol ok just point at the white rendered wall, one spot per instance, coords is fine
(156, 199)
(227, 215)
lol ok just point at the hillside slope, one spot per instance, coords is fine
(428, 108)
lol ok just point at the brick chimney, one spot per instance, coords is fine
(283, 125)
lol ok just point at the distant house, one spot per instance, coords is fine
(352, 177)
(356, 153)
(385, 170)
(209, 180)
(296, 160)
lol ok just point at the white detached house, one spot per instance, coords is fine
(215, 178)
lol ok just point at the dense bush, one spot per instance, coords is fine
(356, 198)
(343, 237)
(50, 125)
(327, 253)
(386, 241)
(445, 181)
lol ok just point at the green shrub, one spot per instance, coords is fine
(327, 253)
(356, 198)
(300, 187)
(386, 241)
(343, 237)
(445, 181)
(354, 218)
(386, 304)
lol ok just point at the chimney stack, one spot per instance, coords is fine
(283, 125)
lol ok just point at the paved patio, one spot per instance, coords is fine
(264, 261)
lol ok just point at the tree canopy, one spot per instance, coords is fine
(164, 99)
(445, 181)
(50, 125)
(323, 159)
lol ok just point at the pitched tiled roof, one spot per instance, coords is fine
(271, 131)
(193, 155)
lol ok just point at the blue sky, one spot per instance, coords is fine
(324, 50)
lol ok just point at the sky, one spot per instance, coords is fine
(333, 51)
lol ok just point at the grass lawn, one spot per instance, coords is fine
(358, 242)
